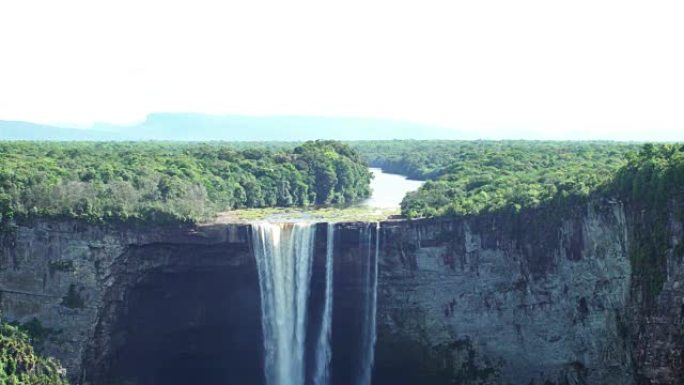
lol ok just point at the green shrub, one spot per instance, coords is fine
(19, 365)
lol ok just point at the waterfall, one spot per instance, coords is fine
(284, 256)
(323, 349)
(369, 335)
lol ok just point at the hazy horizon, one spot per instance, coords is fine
(234, 127)
(530, 69)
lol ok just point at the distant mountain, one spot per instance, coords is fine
(201, 127)
(11, 130)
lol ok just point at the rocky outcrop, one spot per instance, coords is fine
(540, 297)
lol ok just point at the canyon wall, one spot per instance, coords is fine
(541, 297)
(91, 294)
(528, 299)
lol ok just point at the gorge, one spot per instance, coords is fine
(341, 193)
(532, 298)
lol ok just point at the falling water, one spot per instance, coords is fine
(323, 349)
(370, 306)
(284, 256)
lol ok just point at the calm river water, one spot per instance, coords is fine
(389, 189)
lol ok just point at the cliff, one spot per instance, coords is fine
(530, 299)
(542, 297)
(77, 287)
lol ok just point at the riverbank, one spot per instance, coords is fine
(388, 190)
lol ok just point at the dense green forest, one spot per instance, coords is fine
(19, 365)
(469, 177)
(651, 175)
(170, 182)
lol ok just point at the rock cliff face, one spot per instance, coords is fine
(114, 303)
(657, 294)
(536, 298)
(530, 299)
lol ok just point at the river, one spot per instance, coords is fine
(389, 189)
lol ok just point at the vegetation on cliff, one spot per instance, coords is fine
(652, 184)
(19, 365)
(652, 176)
(167, 182)
(471, 177)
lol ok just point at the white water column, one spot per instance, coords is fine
(323, 348)
(284, 256)
(369, 335)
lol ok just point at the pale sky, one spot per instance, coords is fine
(554, 69)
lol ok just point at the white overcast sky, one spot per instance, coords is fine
(538, 69)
